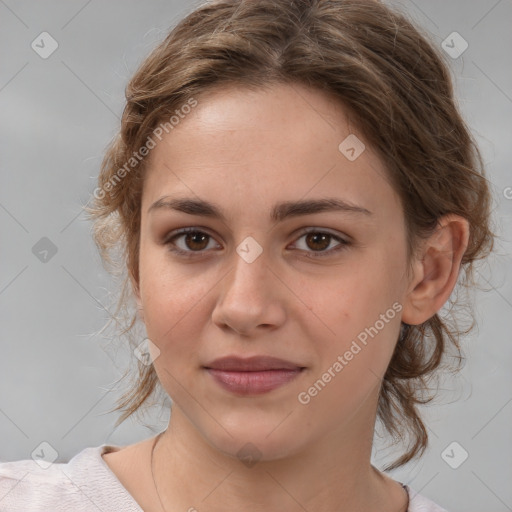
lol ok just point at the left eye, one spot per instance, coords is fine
(320, 241)
(196, 241)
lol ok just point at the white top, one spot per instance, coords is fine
(87, 484)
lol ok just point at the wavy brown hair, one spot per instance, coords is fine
(397, 88)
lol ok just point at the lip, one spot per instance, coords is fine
(253, 375)
(251, 364)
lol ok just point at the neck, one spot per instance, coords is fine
(192, 475)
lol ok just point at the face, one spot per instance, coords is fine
(319, 288)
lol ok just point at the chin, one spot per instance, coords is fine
(250, 441)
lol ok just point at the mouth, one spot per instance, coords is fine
(253, 375)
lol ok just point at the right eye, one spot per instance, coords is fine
(191, 240)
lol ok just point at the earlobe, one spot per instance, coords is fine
(437, 269)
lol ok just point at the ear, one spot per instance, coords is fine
(436, 269)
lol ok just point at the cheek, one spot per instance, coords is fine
(352, 362)
(172, 313)
(355, 296)
(359, 311)
(173, 322)
(172, 302)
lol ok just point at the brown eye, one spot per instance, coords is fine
(318, 241)
(319, 244)
(196, 240)
(188, 241)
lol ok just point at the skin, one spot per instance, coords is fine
(246, 151)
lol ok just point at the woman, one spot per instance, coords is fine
(297, 197)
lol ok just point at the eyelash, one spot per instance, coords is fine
(343, 244)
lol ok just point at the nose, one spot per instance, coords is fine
(251, 298)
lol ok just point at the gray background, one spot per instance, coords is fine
(58, 374)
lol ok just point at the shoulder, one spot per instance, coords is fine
(419, 503)
(83, 484)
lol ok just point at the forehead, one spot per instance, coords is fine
(306, 113)
(285, 141)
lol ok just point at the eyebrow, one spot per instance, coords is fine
(279, 212)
